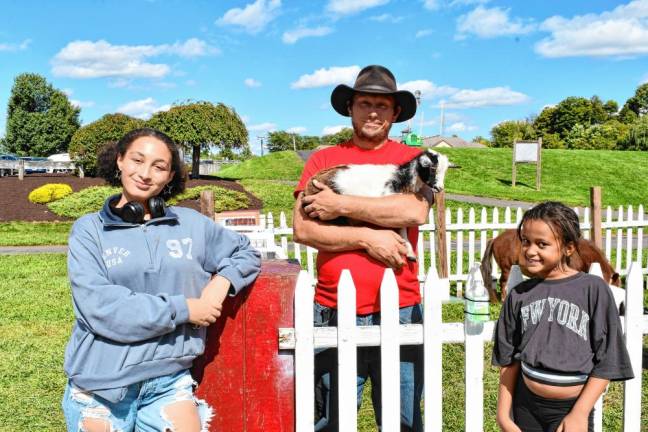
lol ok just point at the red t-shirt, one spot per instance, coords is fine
(367, 273)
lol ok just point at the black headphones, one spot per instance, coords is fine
(133, 211)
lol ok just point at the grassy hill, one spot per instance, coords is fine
(567, 175)
(285, 165)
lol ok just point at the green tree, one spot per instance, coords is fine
(282, 140)
(638, 136)
(506, 132)
(40, 119)
(481, 140)
(338, 137)
(604, 136)
(552, 141)
(89, 140)
(202, 124)
(639, 102)
(570, 112)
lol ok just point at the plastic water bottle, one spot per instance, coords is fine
(476, 309)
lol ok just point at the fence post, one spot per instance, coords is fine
(595, 203)
(347, 353)
(389, 352)
(207, 203)
(440, 233)
(633, 338)
(433, 350)
(243, 375)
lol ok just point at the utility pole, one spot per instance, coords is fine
(294, 145)
(442, 117)
(261, 140)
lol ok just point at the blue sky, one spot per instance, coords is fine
(276, 61)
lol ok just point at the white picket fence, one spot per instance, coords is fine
(467, 236)
(304, 338)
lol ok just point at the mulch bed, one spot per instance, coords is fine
(15, 206)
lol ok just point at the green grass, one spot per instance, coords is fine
(567, 175)
(35, 323)
(34, 233)
(285, 165)
(224, 199)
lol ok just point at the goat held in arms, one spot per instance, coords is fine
(366, 180)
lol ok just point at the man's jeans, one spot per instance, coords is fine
(411, 373)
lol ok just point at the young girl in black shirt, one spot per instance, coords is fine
(558, 338)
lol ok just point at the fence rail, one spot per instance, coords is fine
(304, 338)
(468, 232)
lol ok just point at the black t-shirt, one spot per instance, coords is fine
(568, 325)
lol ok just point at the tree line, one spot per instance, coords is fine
(282, 140)
(42, 121)
(581, 123)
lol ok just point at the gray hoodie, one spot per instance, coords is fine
(130, 283)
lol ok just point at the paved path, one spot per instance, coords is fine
(15, 250)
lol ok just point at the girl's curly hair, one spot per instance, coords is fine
(107, 160)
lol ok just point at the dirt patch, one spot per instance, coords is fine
(14, 204)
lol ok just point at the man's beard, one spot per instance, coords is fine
(374, 135)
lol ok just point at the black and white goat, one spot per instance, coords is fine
(428, 168)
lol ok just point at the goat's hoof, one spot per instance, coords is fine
(411, 258)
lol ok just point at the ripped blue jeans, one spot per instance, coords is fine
(142, 409)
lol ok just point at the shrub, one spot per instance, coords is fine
(224, 199)
(88, 141)
(85, 201)
(49, 192)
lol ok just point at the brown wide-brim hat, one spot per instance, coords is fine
(378, 80)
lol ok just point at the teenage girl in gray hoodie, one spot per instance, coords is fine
(146, 282)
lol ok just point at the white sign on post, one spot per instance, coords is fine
(527, 152)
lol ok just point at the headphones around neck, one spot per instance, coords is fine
(133, 211)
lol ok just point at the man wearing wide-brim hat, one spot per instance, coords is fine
(373, 103)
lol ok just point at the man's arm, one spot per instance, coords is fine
(383, 245)
(392, 211)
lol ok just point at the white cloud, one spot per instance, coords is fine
(327, 76)
(253, 17)
(15, 47)
(494, 96)
(119, 83)
(296, 130)
(621, 32)
(142, 108)
(423, 33)
(88, 59)
(460, 127)
(431, 4)
(190, 48)
(386, 18)
(438, 4)
(330, 130)
(490, 23)
(262, 127)
(82, 104)
(292, 36)
(348, 7)
(644, 80)
(428, 89)
(251, 82)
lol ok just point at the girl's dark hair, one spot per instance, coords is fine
(562, 220)
(107, 160)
